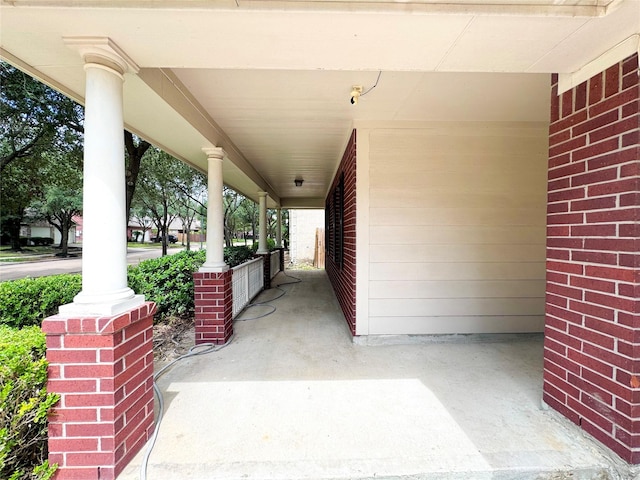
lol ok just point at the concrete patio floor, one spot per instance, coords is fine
(292, 397)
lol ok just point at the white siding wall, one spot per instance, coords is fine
(456, 228)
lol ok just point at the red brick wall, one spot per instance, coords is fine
(592, 334)
(343, 277)
(213, 294)
(103, 370)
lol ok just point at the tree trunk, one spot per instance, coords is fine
(64, 241)
(164, 231)
(134, 157)
(14, 233)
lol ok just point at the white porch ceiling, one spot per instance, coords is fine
(270, 81)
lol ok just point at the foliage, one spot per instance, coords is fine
(24, 405)
(191, 186)
(232, 202)
(271, 244)
(135, 149)
(58, 207)
(248, 217)
(39, 128)
(29, 300)
(16, 195)
(141, 216)
(168, 281)
(157, 192)
(234, 256)
(33, 117)
(61, 196)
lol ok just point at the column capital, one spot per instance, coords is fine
(104, 52)
(214, 152)
(263, 194)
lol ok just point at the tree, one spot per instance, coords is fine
(191, 186)
(60, 198)
(36, 124)
(58, 207)
(248, 217)
(32, 116)
(142, 216)
(17, 194)
(135, 148)
(35, 119)
(188, 210)
(159, 190)
(232, 201)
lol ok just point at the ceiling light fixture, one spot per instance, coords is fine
(298, 182)
(356, 91)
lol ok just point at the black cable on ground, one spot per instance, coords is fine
(266, 303)
(195, 351)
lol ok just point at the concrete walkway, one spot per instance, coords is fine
(292, 397)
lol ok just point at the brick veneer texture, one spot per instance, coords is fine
(213, 307)
(281, 258)
(103, 370)
(343, 279)
(592, 334)
(266, 270)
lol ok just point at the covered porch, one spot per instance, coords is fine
(292, 396)
(479, 166)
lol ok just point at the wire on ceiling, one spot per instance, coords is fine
(374, 85)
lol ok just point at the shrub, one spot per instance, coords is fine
(29, 300)
(271, 244)
(42, 241)
(24, 405)
(167, 281)
(234, 256)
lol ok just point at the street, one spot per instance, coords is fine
(13, 271)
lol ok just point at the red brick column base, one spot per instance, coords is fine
(266, 269)
(214, 306)
(281, 258)
(103, 370)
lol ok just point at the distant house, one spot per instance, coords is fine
(137, 228)
(43, 229)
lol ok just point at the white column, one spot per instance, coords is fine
(262, 245)
(104, 246)
(215, 212)
(279, 228)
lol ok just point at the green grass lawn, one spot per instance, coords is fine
(26, 251)
(152, 245)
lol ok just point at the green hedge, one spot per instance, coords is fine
(29, 300)
(167, 281)
(24, 405)
(234, 256)
(271, 244)
(24, 401)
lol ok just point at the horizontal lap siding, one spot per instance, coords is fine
(457, 228)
